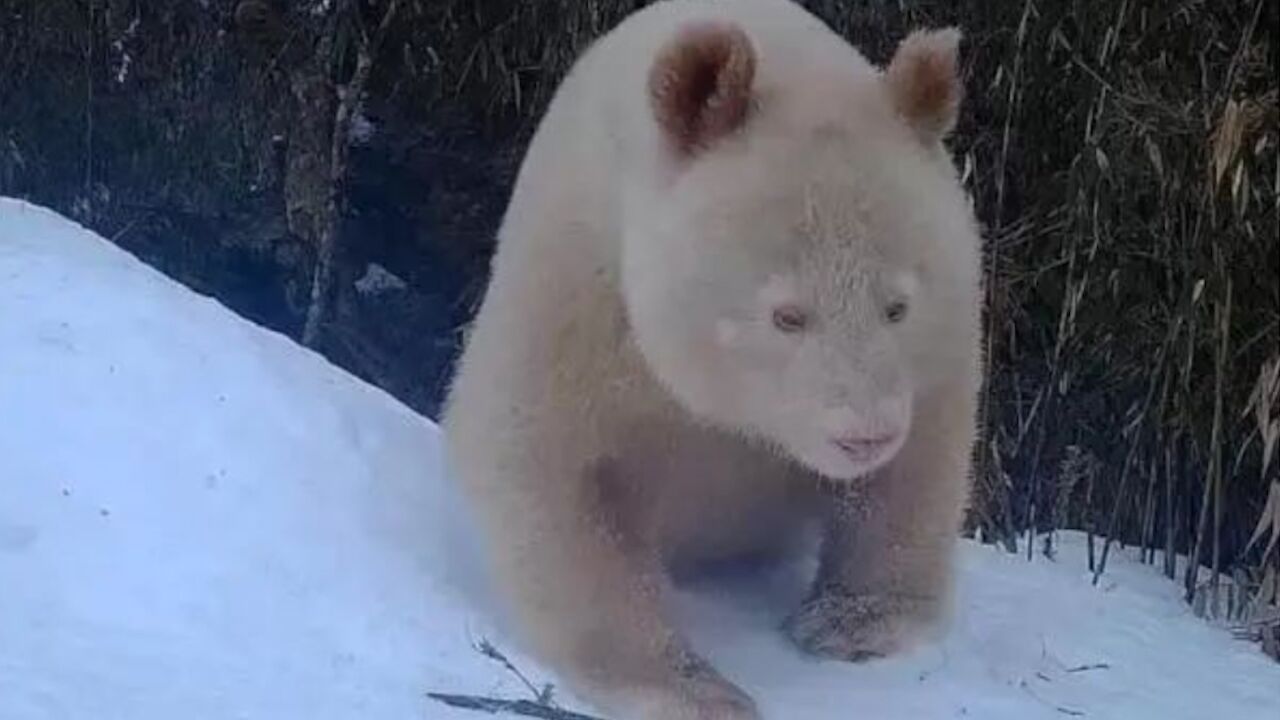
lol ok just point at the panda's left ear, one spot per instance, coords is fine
(924, 82)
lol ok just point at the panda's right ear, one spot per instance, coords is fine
(700, 86)
(924, 81)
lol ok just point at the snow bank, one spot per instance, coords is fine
(201, 520)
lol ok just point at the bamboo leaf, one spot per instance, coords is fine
(1270, 520)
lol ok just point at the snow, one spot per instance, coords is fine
(201, 520)
(377, 280)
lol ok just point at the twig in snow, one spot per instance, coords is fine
(1057, 708)
(542, 696)
(928, 672)
(493, 706)
(1087, 668)
(1045, 654)
(541, 706)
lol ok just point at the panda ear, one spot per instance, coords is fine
(924, 82)
(700, 86)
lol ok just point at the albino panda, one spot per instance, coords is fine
(736, 293)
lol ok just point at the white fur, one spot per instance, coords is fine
(624, 370)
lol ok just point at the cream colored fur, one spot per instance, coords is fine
(689, 307)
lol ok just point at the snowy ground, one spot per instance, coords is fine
(200, 520)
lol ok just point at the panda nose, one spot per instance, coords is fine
(871, 419)
(879, 423)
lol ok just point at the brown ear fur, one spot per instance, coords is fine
(700, 85)
(924, 81)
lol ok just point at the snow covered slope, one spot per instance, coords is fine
(200, 520)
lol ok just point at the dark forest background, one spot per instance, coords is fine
(336, 169)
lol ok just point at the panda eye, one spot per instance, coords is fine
(895, 311)
(790, 319)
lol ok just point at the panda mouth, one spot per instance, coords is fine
(865, 449)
